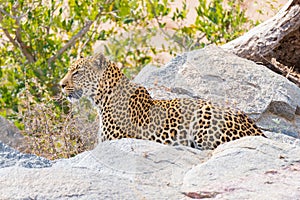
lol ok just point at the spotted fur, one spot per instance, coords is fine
(128, 111)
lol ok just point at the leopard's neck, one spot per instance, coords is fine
(116, 89)
(123, 104)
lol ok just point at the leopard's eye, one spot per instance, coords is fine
(75, 73)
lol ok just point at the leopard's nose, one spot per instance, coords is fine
(62, 84)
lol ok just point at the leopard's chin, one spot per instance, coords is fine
(75, 96)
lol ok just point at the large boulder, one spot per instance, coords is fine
(136, 169)
(248, 168)
(121, 169)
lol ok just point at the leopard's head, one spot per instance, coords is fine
(83, 76)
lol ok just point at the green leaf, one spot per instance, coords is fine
(128, 20)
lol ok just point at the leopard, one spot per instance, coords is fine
(127, 110)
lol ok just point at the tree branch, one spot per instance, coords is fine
(8, 35)
(72, 41)
(23, 47)
(161, 29)
(277, 38)
(19, 44)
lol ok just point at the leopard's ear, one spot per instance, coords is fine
(100, 61)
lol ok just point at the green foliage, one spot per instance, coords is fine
(136, 51)
(41, 38)
(219, 24)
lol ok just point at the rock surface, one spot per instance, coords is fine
(249, 168)
(122, 169)
(10, 134)
(11, 157)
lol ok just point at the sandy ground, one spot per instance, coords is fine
(255, 9)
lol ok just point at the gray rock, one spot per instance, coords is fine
(11, 157)
(250, 168)
(10, 134)
(121, 169)
(282, 138)
(215, 75)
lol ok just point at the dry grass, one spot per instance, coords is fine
(53, 134)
